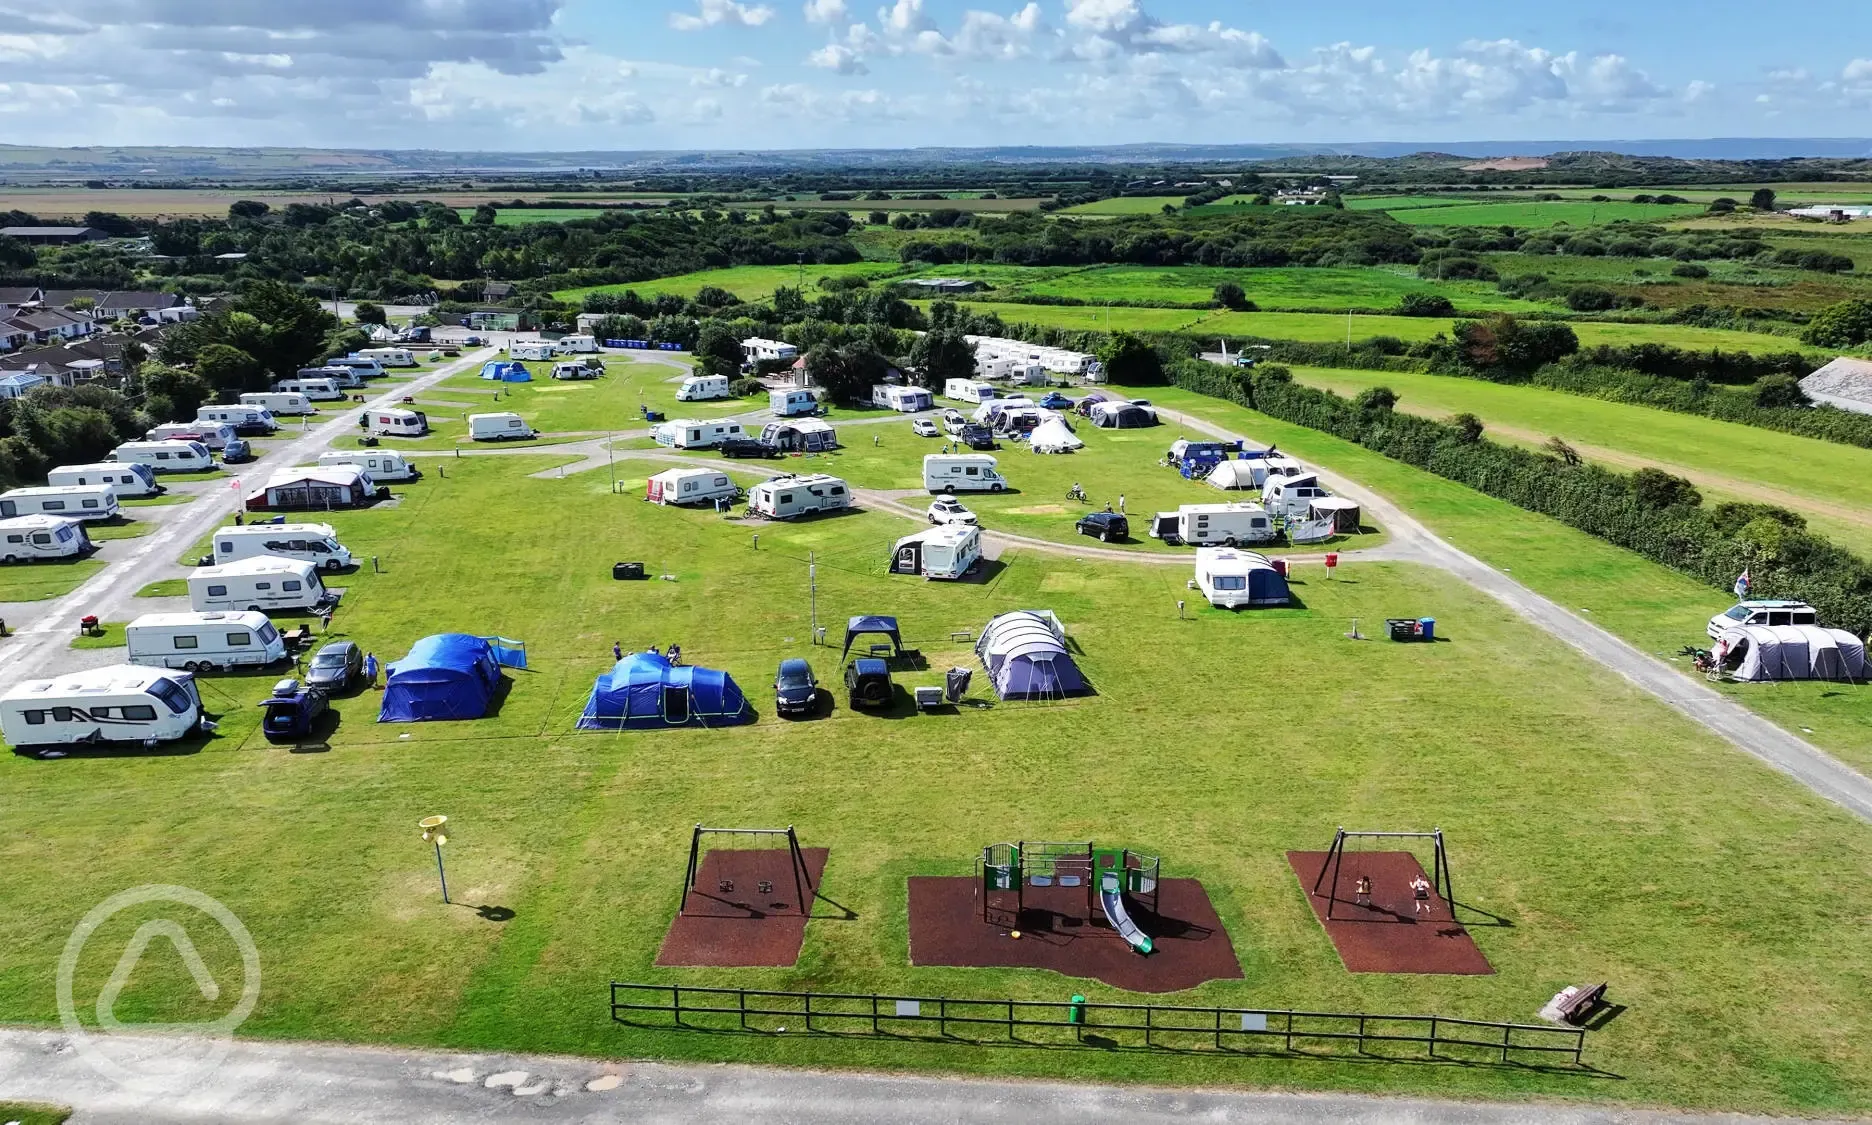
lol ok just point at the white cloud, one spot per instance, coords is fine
(987, 35)
(715, 13)
(1698, 90)
(1858, 71)
(717, 77)
(838, 58)
(827, 11)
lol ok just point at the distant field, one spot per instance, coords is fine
(1740, 282)
(862, 206)
(1542, 214)
(515, 216)
(212, 203)
(1296, 287)
(1127, 205)
(750, 283)
(1406, 202)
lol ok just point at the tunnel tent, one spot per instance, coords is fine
(1025, 655)
(872, 623)
(1233, 474)
(445, 676)
(644, 691)
(1763, 653)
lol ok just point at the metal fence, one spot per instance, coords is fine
(1092, 1023)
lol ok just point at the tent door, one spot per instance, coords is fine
(906, 560)
(675, 705)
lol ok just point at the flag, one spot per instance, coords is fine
(1742, 584)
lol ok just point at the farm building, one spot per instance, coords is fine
(1845, 382)
(445, 676)
(313, 487)
(644, 691)
(1025, 655)
(53, 236)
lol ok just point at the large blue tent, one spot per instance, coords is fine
(644, 691)
(506, 372)
(1026, 658)
(446, 676)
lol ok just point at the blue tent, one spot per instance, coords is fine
(642, 691)
(1026, 658)
(872, 623)
(506, 372)
(447, 676)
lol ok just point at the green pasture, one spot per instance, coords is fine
(515, 216)
(1128, 205)
(1533, 214)
(1409, 202)
(1329, 287)
(52, 578)
(750, 283)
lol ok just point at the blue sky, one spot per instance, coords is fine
(627, 74)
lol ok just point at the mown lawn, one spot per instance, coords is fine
(37, 581)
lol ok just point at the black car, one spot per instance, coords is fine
(335, 667)
(1106, 526)
(237, 452)
(795, 690)
(868, 682)
(978, 437)
(746, 447)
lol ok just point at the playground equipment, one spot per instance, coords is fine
(802, 876)
(1107, 874)
(1335, 858)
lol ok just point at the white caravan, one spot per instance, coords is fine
(380, 466)
(1208, 525)
(501, 425)
(253, 421)
(363, 366)
(26, 538)
(756, 350)
(1292, 497)
(262, 583)
(165, 456)
(389, 357)
(119, 703)
(576, 345)
(529, 349)
(340, 376)
(792, 402)
(688, 433)
(700, 388)
(785, 498)
(968, 390)
(393, 421)
(904, 400)
(279, 402)
(127, 481)
(203, 642)
(948, 551)
(961, 472)
(1231, 579)
(317, 390)
(316, 543)
(690, 486)
(70, 501)
(214, 435)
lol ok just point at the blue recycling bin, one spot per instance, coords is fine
(1427, 627)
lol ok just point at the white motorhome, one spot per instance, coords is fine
(501, 425)
(904, 400)
(126, 480)
(214, 435)
(389, 357)
(1292, 497)
(25, 538)
(340, 376)
(363, 366)
(393, 421)
(120, 703)
(948, 551)
(962, 472)
(1204, 525)
(262, 583)
(700, 388)
(576, 345)
(687, 433)
(690, 486)
(1231, 579)
(316, 390)
(575, 371)
(279, 402)
(316, 543)
(788, 497)
(968, 390)
(250, 421)
(792, 401)
(165, 456)
(203, 642)
(380, 466)
(529, 349)
(68, 501)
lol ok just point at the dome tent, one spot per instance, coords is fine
(645, 691)
(1025, 655)
(506, 372)
(445, 676)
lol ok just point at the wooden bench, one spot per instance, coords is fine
(1577, 1008)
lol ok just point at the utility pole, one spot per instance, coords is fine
(812, 584)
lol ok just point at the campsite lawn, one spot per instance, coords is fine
(1185, 752)
(605, 405)
(37, 581)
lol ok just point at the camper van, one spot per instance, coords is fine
(576, 345)
(127, 481)
(279, 402)
(948, 551)
(968, 390)
(1292, 497)
(700, 388)
(363, 366)
(203, 642)
(689, 486)
(248, 421)
(687, 433)
(340, 376)
(165, 456)
(575, 371)
(261, 583)
(214, 435)
(119, 703)
(392, 421)
(904, 400)
(389, 357)
(69, 501)
(792, 402)
(961, 472)
(788, 497)
(529, 349)
(28, 538)
(380, 466)
(502, 425)
(315, 543)
(1232, 579)
(317, 390)
(1205, 525)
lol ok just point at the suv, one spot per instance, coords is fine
(796, 692)
(947, 509)
(746, 447)
(1761, 612)
(1107, 526)
(953, 421)
(335, 667)
(977, 437)
(237, 452)
(868, 683)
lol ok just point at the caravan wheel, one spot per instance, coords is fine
(205, 666)
(12, 558)
(1229, 542)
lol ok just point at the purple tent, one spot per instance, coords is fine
(1025, 656)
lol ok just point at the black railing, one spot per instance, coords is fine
(1163, 1025)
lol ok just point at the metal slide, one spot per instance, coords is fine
(1113, 899)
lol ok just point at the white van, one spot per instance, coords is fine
(905, 400)
(279, 402)
(67, 501)
(961, 472)
(968, 390)
(700, 388)
(389, 357)
(262, 583)
(340, 376)
(577, 371)
(792, 401)
(248, 421)
(577, 345)
(687, 433)
(316, 543)
(316, 390)
(214, 435)
(940, 552)
(395, 422)
(127, 481)
(529, 349)
(1292, 497)
(363, 366)
(25, 538)
(203, 642)
(502, 425)
(1206, 525)
(165, 456)
(788, 497)
(380, 466)
(690, 486)
(119, 703)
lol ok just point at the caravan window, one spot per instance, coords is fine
(291, 584)
(263, 585)
(267, 633)
(217, 591)
(64, 533)
(836, 490)
(53, 505)
(1230, 582)
(63, 714)
(16, 539)
(784, 498)
(88, 503)
(187, 642)
(178, 700)
(36, 718)
(162, 456)
(42, 538)
(139, 712)
(235, 640)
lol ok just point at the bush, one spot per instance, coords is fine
(1590, 298)
(1690, 270)
(1231, 296)
(1425, 304)
(742, 388)
(1845, 325)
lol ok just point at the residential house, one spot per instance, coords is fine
(13, 298)
(48, 326)
(134, 303)
(53, 236)
(16, 383)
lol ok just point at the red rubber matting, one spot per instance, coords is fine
(742, 927)
(1388, 936)
(1059, 933)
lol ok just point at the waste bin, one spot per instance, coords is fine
(1401, 628)
(624, 570)
(1427, 626)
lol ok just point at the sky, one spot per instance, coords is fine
(773, 74)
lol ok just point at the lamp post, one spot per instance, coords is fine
(434, 833)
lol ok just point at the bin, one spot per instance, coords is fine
(627, 570)
(1280, 566)
(1401, 628)
(1427, 626)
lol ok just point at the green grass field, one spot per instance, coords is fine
(1329, 287)
(1127, 205)
(1535, 215)
(1410, 202)
(37, 581)
(750, 283)
(515, 216)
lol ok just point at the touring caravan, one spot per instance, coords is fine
(1292, 497)
(340, 376)
(316, 543)
(904, 400)
(792, 401)
(165, 456)
(279, 402)
(248, 421)
(389, 357)
(700, 388)
(119, 703)
(576, 345)
(26, 538)
(391, 421)
(317, 390)
(501, 425)
(214, 435)
(262, 583)
(529, 349)
(788, 497)
(127, 481)
(203, 642)
(1205, 525)
(1232, 579)
(363, 366)
(968, 390)
(688, 433)
(689, 486)
(70, 501)
(948, 551)
(380, 466)
(961, 472)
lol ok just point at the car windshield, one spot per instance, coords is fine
(1738, 613)
(328, 660)
(795, 678)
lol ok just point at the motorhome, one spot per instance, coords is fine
(904, 400)
(214, 435)
(248, 421)
(962, 472)
(389, 357)
(968, 390)
(279, 402)
(363, 366)
(317, 390)
(788, 497)
(576, 345)
(690, 486)
(340, 376)
(118, 703)
(792, 401)
(126, 480)
(67, 501)
(700, 388)
(165, 456)
(316, 543)
(203, 642)
(1232, 579)
(26, 538)
(529, 349)
(687, 433)
(1205, 525)
(392, 421)
(1292, 497)
(948, 551)
(575, 370)
(380, 466)
(501, 425)
(261, 583)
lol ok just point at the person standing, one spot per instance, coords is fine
(617, 650)
(1121, 503)
(370, 669)
(1420, 890)
(1363, 892)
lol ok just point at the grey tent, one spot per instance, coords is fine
(871, 623)
(1758, 653)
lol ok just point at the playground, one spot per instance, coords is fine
(746, 906)
(1383, 912)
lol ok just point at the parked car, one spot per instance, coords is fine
(923, 427)
(978, 437)
(747, 447)
(335, 667)
(868, 683)
(1056, 401)
(291, 711)
(796, 692)
(237, 452)
(947, 509)
(953, 421)
(472, 341)
(1761, 612)
(1105, 526)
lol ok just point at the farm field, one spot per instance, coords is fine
(1731, 282)
(750, 283)
(1410, 202)
(1536, 215)
(212, 203)
(1127, 205)
(955, 201)
(580, 838)
(1344, 287)
(516, 216)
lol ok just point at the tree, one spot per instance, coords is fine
(1373, 400)
(247, 209)
(1232, 296)
(1590, 298)
(229, 369)
(942, 354)
(15, 254)
(1425, 304)
(1763, 199)
(1844, 325)
(1468, 428)
(848, 372)
(112, 224)
(718, 347)
(1779, 392)
(172, 394)
(370, 312)
(1655, 488)
(485, 215)
(1129, 358)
